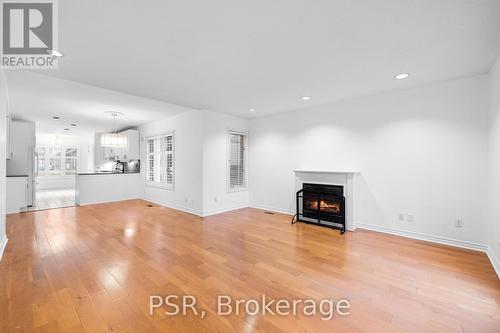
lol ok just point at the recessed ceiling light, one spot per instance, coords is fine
(252, 110)
(306, 98)
(54, 53)
(56, 117)
(74, 125)
(401, 76)
(114, 113)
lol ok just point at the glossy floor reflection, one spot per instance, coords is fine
(93, 269)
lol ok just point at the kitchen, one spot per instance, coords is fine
(86, 167)
(117, 169)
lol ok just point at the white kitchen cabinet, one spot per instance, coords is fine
(17, 193)
(8, 126)
(23, 143)
(110, 154)
(98, 151)
(132, 152)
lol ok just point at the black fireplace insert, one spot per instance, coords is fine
(321, 204)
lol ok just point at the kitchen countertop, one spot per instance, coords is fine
(106, 173)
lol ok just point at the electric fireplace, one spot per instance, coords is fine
(322, 205)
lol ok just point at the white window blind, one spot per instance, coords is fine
(160, 160)
(237, 165)
(169, 155)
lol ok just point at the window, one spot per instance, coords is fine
(55, 166)
(57, 161)
(70, 155)
(169, 155)
(237, 161)
(55, 152)
(160, 161)
(41, 161)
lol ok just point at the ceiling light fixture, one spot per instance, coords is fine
(54, 53)
(306, 98)
(56, 117)
(252, 110)
(114, 113)
(66, 129)
(401, 76)
(114, 139)
(74, 125)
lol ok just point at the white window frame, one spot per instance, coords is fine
(228, 160)
(46, 158)
(163, 153)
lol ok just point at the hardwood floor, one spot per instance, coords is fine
(93, 269)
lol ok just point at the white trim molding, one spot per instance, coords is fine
(220, 211)
(3, 245)
(273, 209)
(326, 171)
(425, 237)
(494, 261)
(174, 206)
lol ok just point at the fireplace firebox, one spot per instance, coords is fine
(321, 204)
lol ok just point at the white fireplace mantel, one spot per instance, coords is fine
(346, 178)
(326, 171)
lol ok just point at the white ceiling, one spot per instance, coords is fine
(230, 56)
(39, 97)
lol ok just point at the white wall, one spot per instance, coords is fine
(216, 198)
(421, 151)
(22, 146)
(494, 168)
(188, 192)
(85, 145)
(200, 162)
(3, 145)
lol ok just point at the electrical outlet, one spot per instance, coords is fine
(216, 199)
(410, 218)
(401, 216)
(459, 223)
(186, 199)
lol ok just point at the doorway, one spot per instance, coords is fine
(56, 168)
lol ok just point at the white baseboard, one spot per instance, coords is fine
(104, 202)
(425, 237)
(494, 261)
(225, 210)
(273, 209)
(176, 207)
(3, 245)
